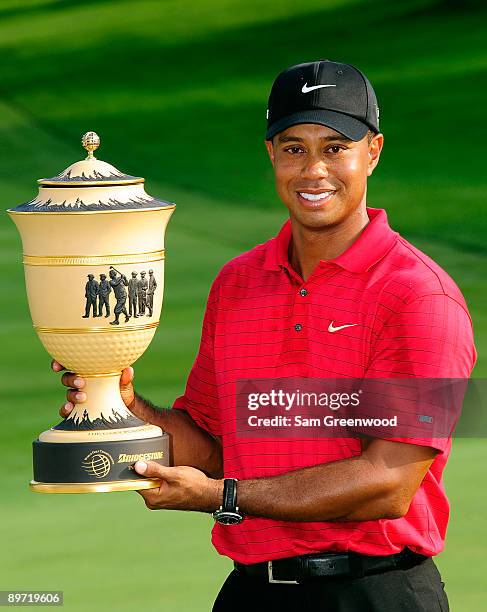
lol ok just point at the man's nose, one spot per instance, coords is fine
(315, 168)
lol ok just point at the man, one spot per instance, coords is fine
(104, 291)
(91, 293)
(133, 284)
(335, 524)
(118, 283)
(142, 292)
(150, 292)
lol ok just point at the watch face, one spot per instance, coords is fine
(228, 518)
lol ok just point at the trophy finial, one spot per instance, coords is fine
(91, 142)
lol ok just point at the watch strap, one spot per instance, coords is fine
(229, 495)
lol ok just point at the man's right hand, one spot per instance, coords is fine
(76, 395)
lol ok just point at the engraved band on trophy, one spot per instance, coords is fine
(93, 243)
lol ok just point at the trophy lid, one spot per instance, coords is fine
(91, 185)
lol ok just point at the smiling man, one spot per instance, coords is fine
(332, 524)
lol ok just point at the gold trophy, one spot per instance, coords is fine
(93, 244)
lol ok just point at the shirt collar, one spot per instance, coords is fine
(370, 247)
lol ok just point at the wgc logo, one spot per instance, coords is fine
(98, 463)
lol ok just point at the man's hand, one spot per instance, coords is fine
(76, 395)
(181, 488)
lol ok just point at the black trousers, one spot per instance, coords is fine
(418, 589)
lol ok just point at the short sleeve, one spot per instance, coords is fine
(430, 337)
(200, 399)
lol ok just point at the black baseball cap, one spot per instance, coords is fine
(333, 94)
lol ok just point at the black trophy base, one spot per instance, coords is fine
(96, 467)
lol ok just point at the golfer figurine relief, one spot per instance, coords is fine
(104, 290)
(133, 283)
(118, 284)
(150, 292)
(142, 287)
(91, 293)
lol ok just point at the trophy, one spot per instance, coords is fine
(93, 244)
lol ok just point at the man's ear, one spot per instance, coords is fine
(270, 150)
(375, 148)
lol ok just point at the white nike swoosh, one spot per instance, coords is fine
(307, 89)
(332, 329)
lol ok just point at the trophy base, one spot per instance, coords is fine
(98, 466)
(93, 487)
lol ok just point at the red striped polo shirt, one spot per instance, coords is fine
(263, 321)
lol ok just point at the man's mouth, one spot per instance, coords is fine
(316, 198)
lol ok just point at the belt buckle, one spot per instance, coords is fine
(273, 580)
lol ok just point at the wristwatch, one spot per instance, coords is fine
(228, 513)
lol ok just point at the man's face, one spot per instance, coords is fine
(321, 176)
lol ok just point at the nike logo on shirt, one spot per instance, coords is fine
(333, 329)
(307, 89)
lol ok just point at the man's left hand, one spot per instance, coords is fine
(182, 488)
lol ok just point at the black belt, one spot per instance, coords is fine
(294, 570)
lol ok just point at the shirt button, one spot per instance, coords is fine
(298, 327)
(303, 292)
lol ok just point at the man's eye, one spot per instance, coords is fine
(294, 149)
(336, 149)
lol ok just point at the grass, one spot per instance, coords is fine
(177, 91)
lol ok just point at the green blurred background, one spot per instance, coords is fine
(177, 89)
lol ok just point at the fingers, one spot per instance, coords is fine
(73, 395)
(150, 498)
(70, 379)
(151, 469)
(127, 376)
(56, 366)
(66, 409)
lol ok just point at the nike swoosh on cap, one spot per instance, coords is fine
(307, 89)
(333, 329)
